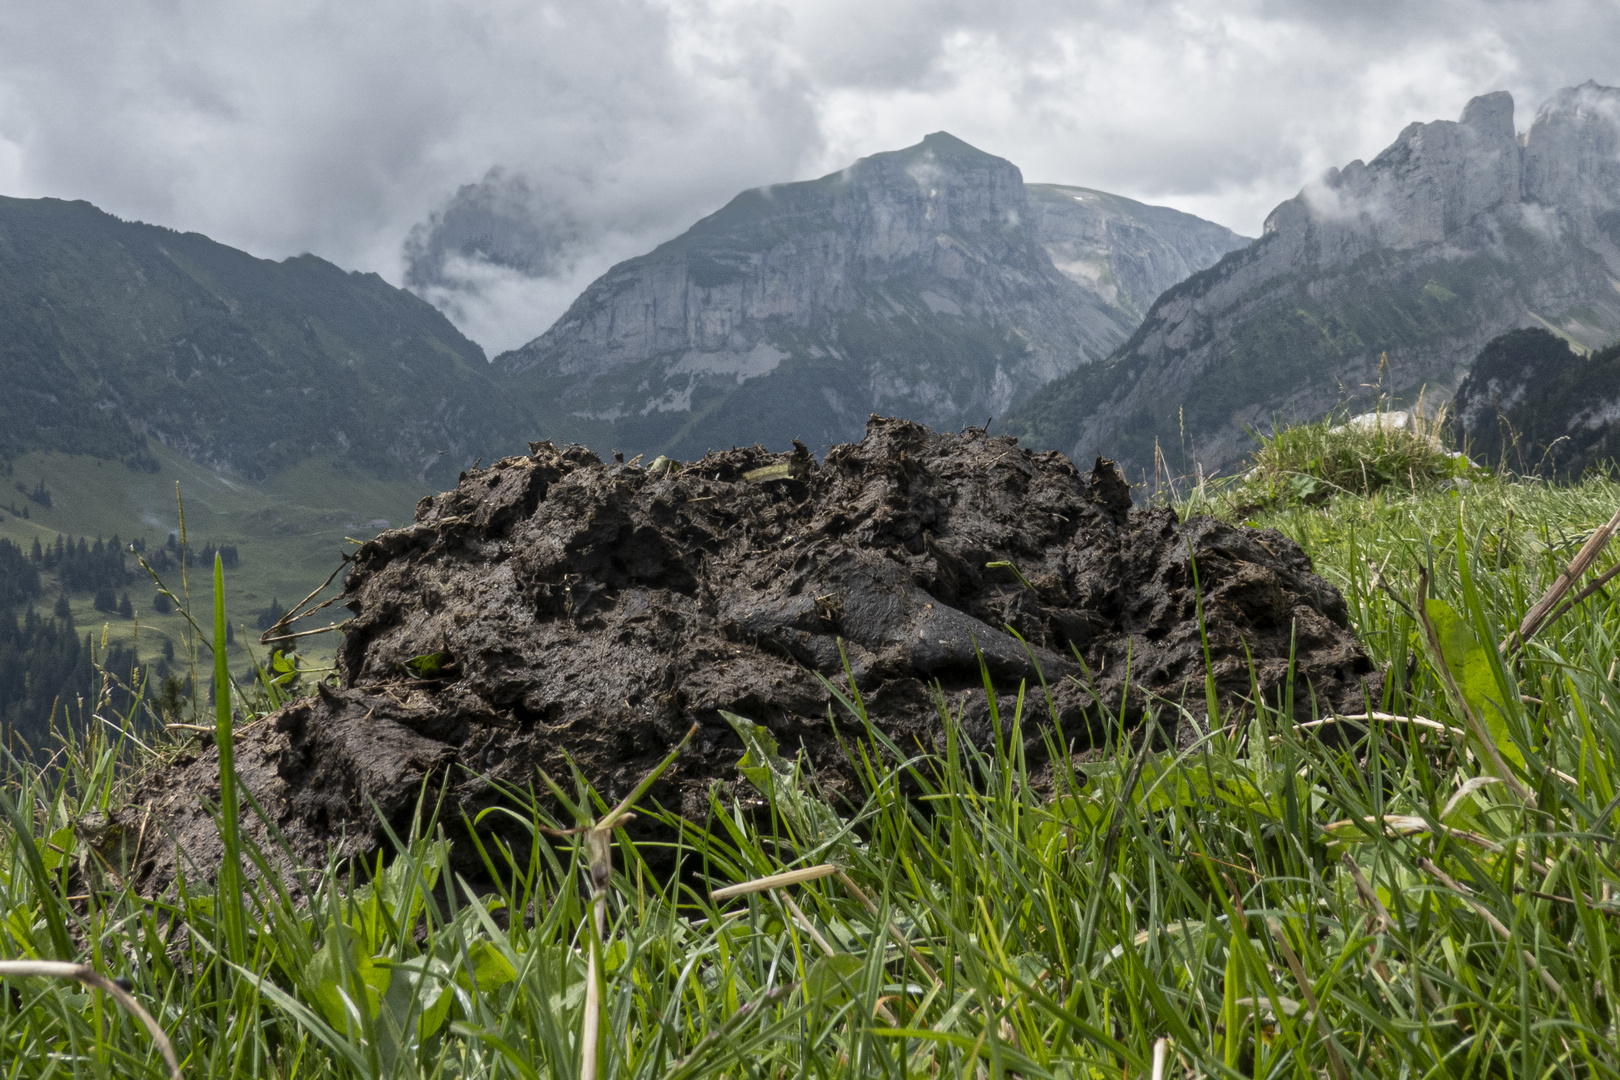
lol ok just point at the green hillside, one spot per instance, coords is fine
(290, 530)
(117, 336)
(1533, 404)
(294, 404)
(288, 534)
(1292, 339)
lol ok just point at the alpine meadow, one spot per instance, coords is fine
(827, 564)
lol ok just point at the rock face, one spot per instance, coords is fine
(1454, 234)
(570, 606)
(1127, 252)
(919, 282)
(1532, 404)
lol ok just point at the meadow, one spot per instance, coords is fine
(1427, 889)
(290, 531)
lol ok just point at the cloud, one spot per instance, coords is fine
(499, 155)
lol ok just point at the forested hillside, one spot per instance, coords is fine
(45, 664)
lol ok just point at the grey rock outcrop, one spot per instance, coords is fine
(1453, 235)
(918, 282)
(1125, 251)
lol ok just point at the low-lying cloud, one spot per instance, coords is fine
(496, 157)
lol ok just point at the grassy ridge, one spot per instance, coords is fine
(113, 330)
(290, 530)
(1346, 900)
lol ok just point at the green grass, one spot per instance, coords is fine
(1210, 896)
(291, 531)
(1311, 463)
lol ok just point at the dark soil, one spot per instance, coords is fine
(593, 610)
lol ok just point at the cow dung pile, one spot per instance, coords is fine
(557, 607)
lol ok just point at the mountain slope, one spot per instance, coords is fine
(1454, 234)
(1125, 251)
(1533, 404)
(114, 331)
(917, 282)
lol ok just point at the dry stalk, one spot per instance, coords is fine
(1335, 1061)
(1597, 583)
(826, 947)
(1535, 619)
(598, 841)
(1369, 896)
(775, 881)
(813, 873)
(1412, 825)
(1490, 920)
(805, 925)
(1383, 718)
(894, 931)
(293, 614)
(89, 976)
(599, 851)
(1161, 1052)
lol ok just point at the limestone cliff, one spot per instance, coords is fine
(1454, 234)
(918, 283)
(1125, 251)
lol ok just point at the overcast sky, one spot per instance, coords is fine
(586, 132)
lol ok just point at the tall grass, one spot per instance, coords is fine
(1354, 898)
(1313, 462)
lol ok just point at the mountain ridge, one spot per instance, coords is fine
(116, 332)
(916, 282)
(1455, 233)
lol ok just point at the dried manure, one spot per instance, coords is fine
(556, 606)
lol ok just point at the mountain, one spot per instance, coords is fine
(113, 333)
(1453, 235)
(1125, 251)
(928, 282)
(1533, 404)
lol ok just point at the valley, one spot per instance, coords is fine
(300, 408)
(288, 534)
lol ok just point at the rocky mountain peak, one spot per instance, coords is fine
(914, 282)
(1126, 251)
(1490, 116)
(1455, 233)
(1430, 182)
(1572, 165)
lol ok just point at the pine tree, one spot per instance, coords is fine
(125, 608)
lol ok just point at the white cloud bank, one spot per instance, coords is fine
(339, 128)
